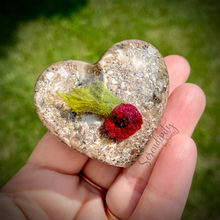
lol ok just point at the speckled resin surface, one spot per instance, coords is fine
(132, 70)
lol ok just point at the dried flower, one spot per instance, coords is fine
(126, 120)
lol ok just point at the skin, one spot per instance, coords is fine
(49, 187)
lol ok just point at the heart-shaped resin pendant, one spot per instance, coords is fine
(131, 70)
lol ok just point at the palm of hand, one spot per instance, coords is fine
(49, 186)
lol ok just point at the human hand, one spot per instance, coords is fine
(49, 185)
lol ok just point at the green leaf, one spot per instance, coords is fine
(94, 98)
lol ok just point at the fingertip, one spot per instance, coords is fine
(179, 160)
(176, 164)
(194, 100)
(178, 69)
(185, 107)
(170, 181)
(199, 96)
(183, 146)
(191, 94)
(176, 61)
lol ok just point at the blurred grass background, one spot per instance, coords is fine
(35, 34)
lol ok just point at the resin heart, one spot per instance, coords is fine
(132, 70)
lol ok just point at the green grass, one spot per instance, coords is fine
(35, 35)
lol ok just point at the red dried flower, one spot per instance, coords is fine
(125, 122)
